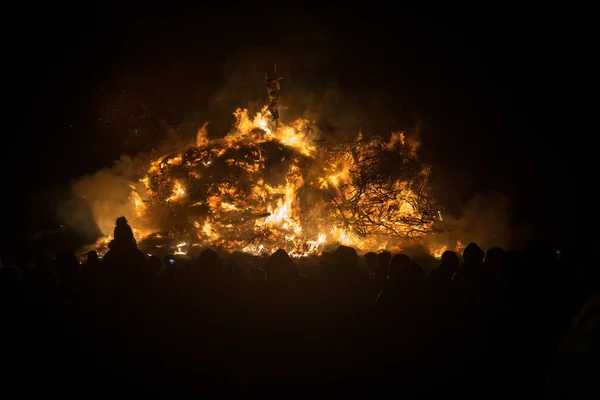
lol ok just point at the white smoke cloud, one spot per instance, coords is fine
(107, 193)
(484, 219)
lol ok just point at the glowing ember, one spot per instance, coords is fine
(261, 188)
(179, 249)
(178, 191)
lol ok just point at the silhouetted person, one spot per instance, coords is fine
(91, 269)
(257, 277)
(206, 269)
(281, 270)
(257, 288)
(92, 260)
(371, 261)
(166, 277)
(154, 265)
(467, 281)
(404, 285)
(232, 289)
(68, 269)
(577, 369)
(380, 277)
(125, 292)
(441, 276)
(345, 265)
(493, 262)
(45, 286)
(124, 262)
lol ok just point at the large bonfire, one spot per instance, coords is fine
(264, 187)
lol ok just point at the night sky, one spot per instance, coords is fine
(87, 85)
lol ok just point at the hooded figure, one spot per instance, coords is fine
(123, 260)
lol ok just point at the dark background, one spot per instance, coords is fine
(89, 83)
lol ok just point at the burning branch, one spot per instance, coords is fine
(386, 195)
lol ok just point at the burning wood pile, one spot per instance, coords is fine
(264, 187)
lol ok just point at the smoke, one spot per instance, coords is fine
(106, 195)
(103, 196)
(313, 87)
(341, 113)
(484, 219)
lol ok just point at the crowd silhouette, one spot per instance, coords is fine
(492, 324)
